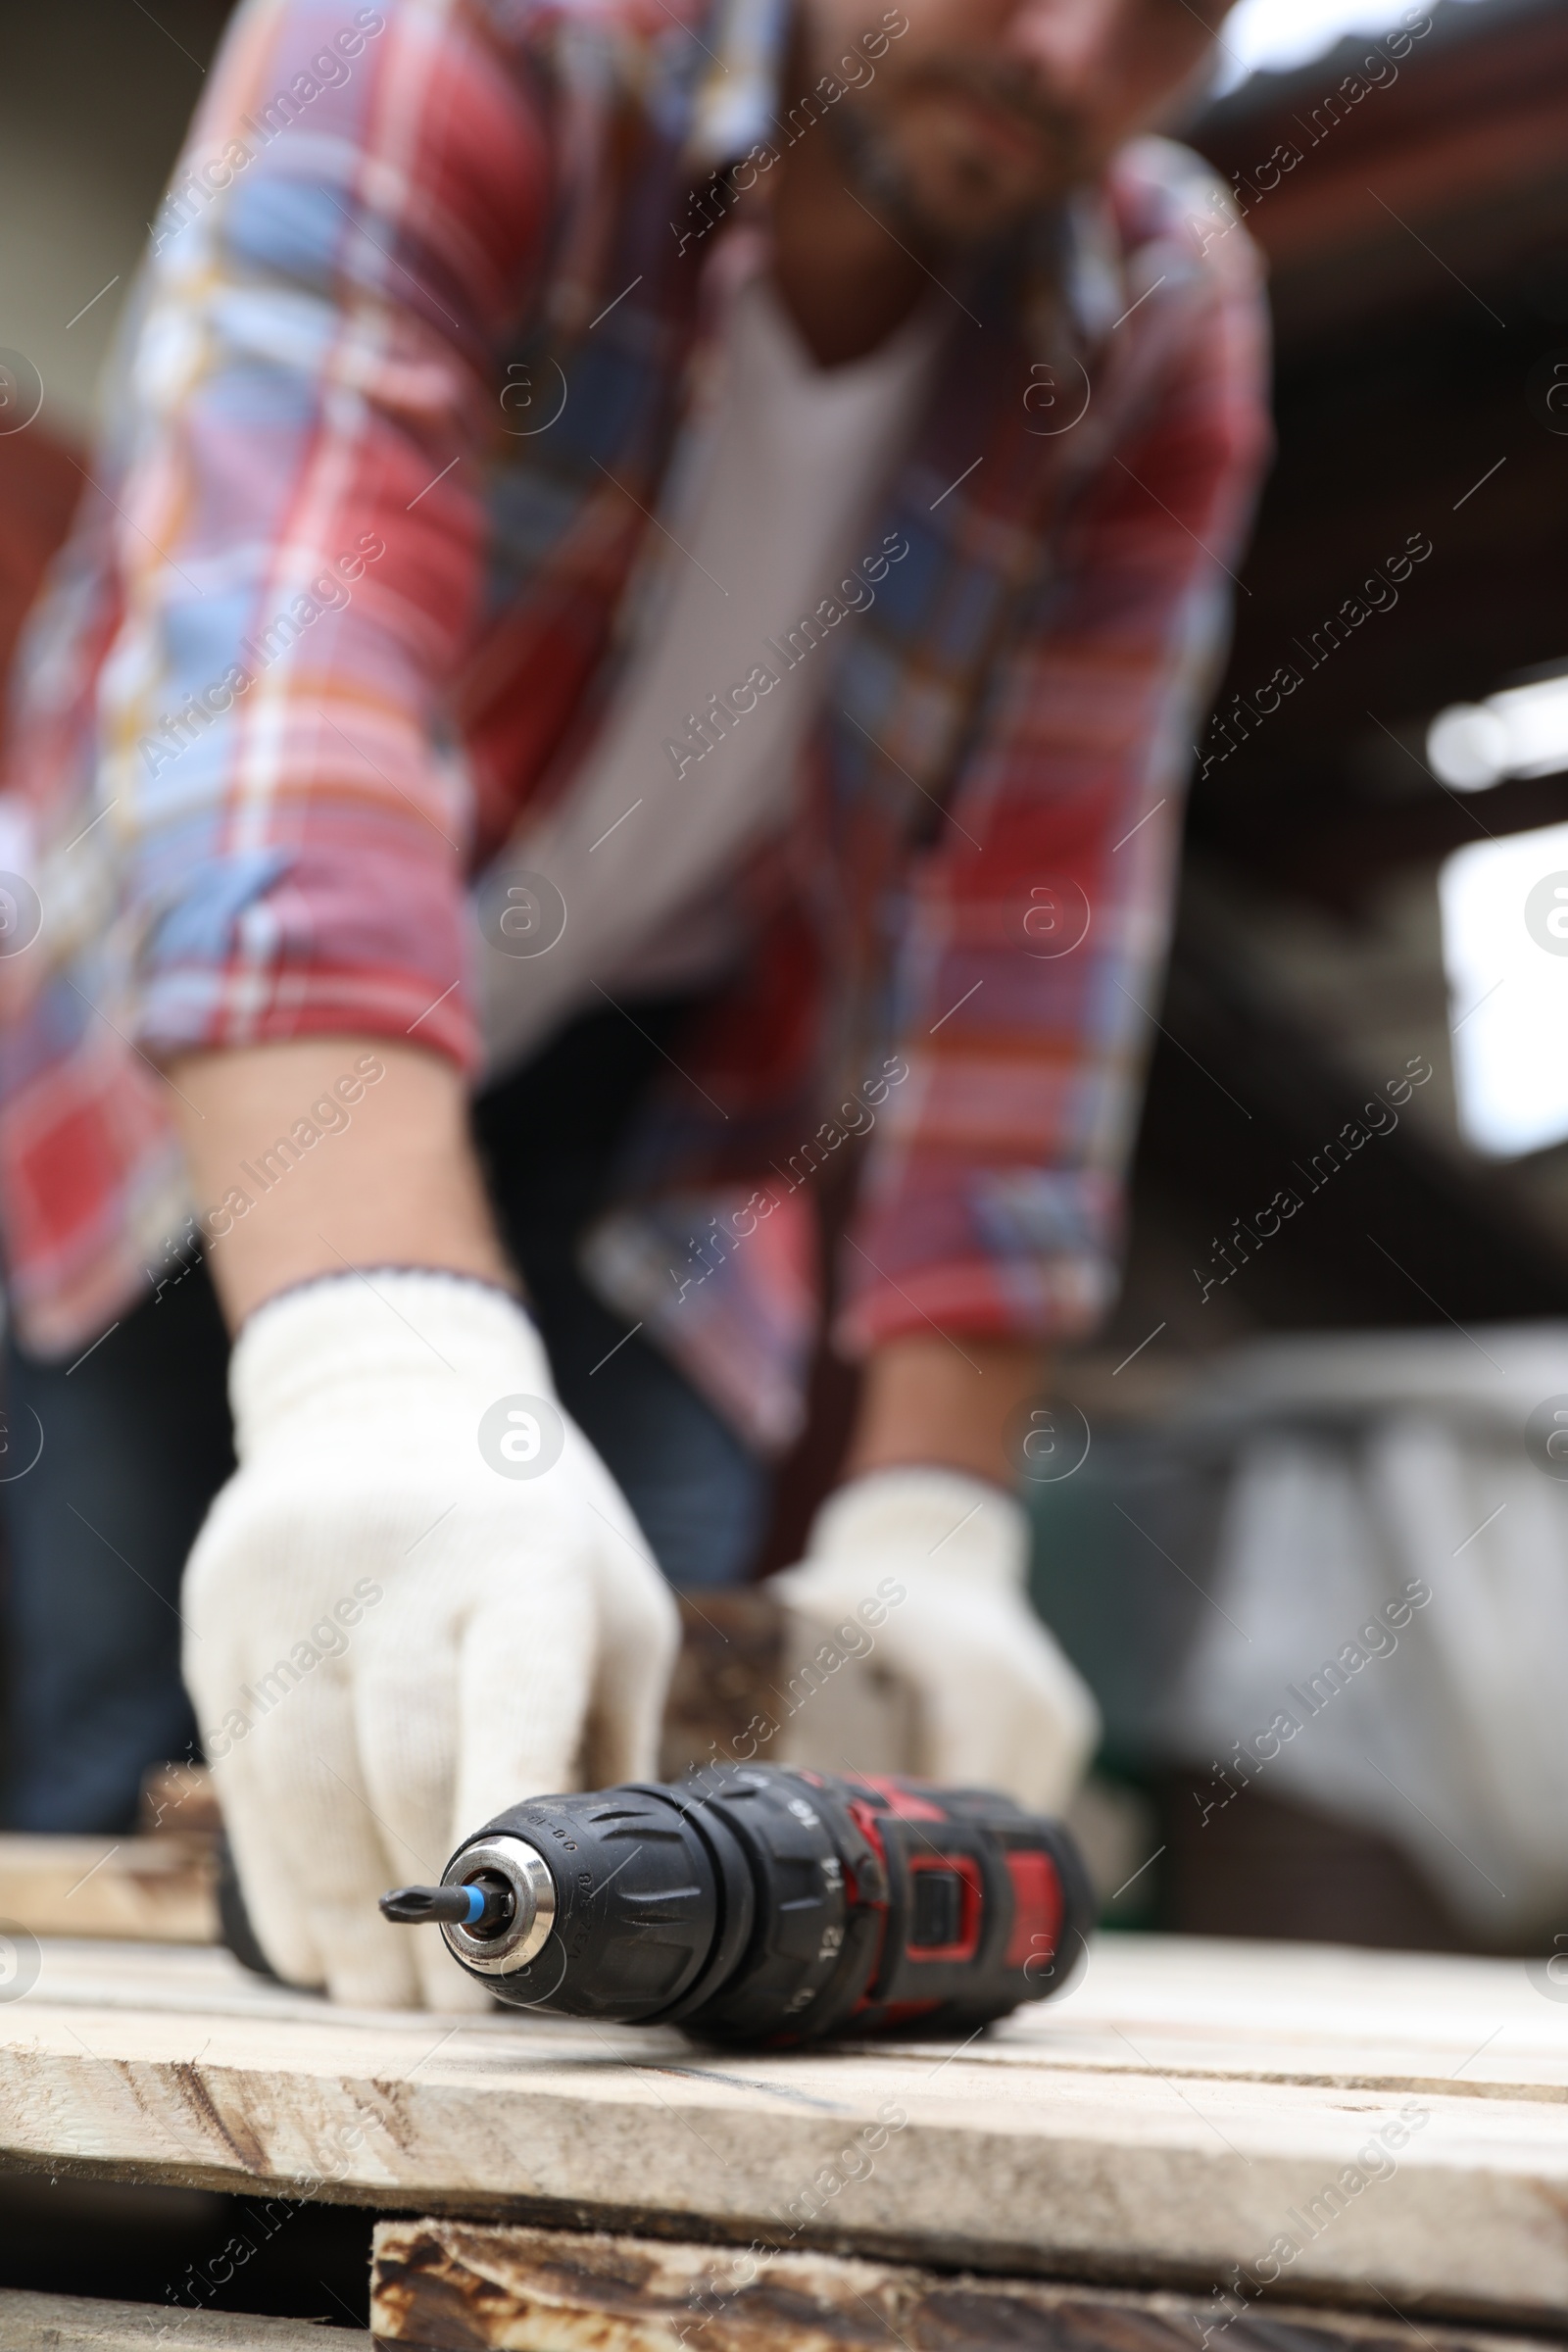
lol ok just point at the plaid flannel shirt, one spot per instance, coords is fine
(344, 599)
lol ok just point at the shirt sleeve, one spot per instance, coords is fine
(297, 533)
(1035, 927)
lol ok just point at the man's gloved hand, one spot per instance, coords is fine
(421, 1598)
(999, 1707)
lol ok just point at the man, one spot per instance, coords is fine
(752, 494)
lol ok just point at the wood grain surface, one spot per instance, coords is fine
(1400, 2120)
(31, 2323)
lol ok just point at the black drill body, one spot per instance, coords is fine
(756, 1903)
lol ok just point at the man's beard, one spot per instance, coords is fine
(872, 164)
(876, 170)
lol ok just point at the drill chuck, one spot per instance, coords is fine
(760, 1903)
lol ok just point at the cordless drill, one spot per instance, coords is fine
(762, 1904)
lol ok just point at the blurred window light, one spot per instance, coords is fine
(1521, 732)
(1275, 36)
(1504, 906)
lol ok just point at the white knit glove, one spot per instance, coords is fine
(932, 1564)
(421, 1598)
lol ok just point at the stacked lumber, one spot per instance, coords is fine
(1296, 2122)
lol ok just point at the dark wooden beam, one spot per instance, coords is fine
(448, 2286)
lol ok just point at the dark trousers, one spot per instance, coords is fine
(136, 1441)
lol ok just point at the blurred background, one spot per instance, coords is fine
(1299, 1513)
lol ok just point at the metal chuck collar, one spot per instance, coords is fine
(518, 1914)
(495, 1905)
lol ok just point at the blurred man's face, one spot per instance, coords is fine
(984, 111)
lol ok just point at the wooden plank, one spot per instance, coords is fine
(1180, 2110)
(508, 2289)
(30, 2322)
(744, 1677)
(728, 1673)
(156, 1887)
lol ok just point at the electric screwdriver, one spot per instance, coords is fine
(764, 1905)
